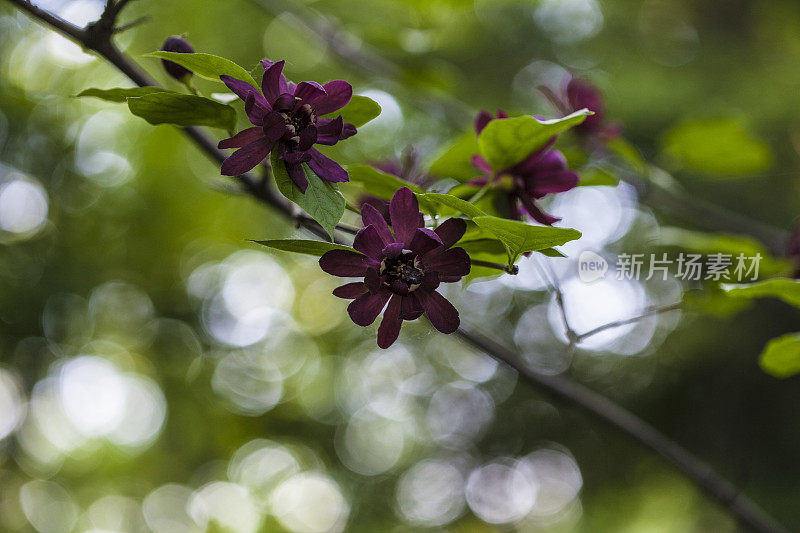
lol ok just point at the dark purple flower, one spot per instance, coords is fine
(401, 267)
(575, 94)
(542, 172)
(180, 45)
(287, 118)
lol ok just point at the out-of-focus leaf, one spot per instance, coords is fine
(358, 111)
(207, 66)
(724, 243)
(521, 237)
(628, 154)
(505, 142)
(785, 289)
(596, 176)
(781, 356)
(322, 199)
(182, 110)
(453, 161)
(721, 147)
(302, 246)
(120, 94)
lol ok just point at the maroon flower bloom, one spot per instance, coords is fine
(575, 94)
(542, 172)
(286, 117)
(401, 267)
(179, 45)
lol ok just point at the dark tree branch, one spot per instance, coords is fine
(97, 37)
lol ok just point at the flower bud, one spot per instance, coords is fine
(182, 46)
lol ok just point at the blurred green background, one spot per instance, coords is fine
(158, 372)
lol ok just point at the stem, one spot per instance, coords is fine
(97, 37)
(513, 269)
(649, 312)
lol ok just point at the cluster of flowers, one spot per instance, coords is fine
(401, 263)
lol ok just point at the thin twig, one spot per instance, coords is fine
(749, 514)
(652, 311)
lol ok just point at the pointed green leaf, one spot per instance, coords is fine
(301, 246)
(358, 111)
(505, 142)
(207, 66)
(521, 237)
(453, 202)
(120, 94)
(183, 110)
(781, 356)
(322, 199)
(785, 289)
(454, 160)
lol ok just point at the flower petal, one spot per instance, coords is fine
(393, 250)
(284, 102)
(368, 241)
(246, 158)
(338, 95)
(390, 326)
(451, 230)
(481, 164)
(439, 311)
(273, 83)
(452, 262)
(255, 110)
(309, 92)
(348, 131)
(366, 308)
(404, 214)
(411, 308)
(483, 118)
(296, 172)
(242, 138)
(350, 291)
(242, 89)
(307, 138)
(329, 131)
(554, 182)
(370, 216)
(345, 264)
(326, 168)
(537, 214)
(372, 279)
(424, 241)
(274, 126)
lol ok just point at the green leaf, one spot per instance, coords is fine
(721, 147)
(301, 246)
(505, 142)
(781, 356)
(358, 111)
(322, 199)
(785, 289)
(120, 94)
(597, 176)
(384, 185)
(454, 160)
(207, 66)
(521, 237)
(182, 110)
(462, 206)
